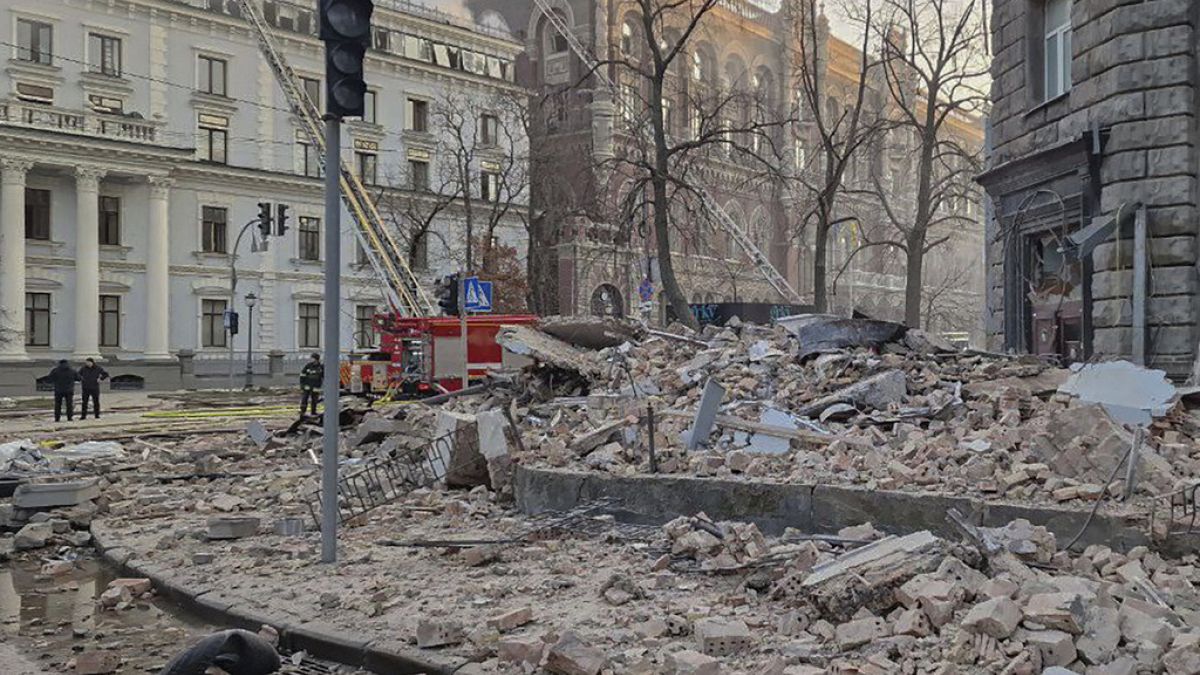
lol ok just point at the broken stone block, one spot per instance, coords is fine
(912, 622)
(439, 633)
(1056, 647)
(520, 649)
(572, 656)
(839, 588)
(1063, 611)
(997, 617)
(859, 632)
(494, 446)
(1184, 657)
(510, 620)
(136, 586)
(456, 444)
(1101, 635)
(721, 637)
(689, 662)
(33, 535)
(998, 588)
(1138, 627)
(480, 555)
(51, 495)
(97, 662)
(232, 527)
(1122, 665)
(373, 429)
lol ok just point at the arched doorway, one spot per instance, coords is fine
(606, 301)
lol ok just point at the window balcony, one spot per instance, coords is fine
(81, 123)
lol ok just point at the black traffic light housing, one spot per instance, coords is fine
(281, 216)
(346, 32)
(231, 321)
(447, 293)
(264, 219)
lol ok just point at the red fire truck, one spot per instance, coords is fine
(423, 356)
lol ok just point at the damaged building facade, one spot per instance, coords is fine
(601, 254)
(136, 141)
(1093, 137)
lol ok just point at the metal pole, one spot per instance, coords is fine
(1139, 287)
(462, 328)
(249, 346)
(333, 268)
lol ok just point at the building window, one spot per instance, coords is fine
(35, 93)
(110, 321)
(489, 186)
(311, 162)
(489, 130)
(627, 47)
(212, 75)
(309, 325)
(35, 41)
(418, 174)
(212, 144)
(37, 214)
(106, 104)
(369, 103)
(110, 221)
(364, 326)
(105, 54)
(212, 229)
(37, 319)
(313, 89)
(418, 115)
(1058, 48)
(366, 162)
(310, 238)
(629, 101)
(212, 323)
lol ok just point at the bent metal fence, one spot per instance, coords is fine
(1176, 513)
(383, 479)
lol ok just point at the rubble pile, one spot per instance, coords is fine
(906, 413)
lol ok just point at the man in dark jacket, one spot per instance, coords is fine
(63, 377)
(90, 376)
(311, 377)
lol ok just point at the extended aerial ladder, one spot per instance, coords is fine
(387, 257)
(735, 232)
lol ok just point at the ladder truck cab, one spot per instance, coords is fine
(425, 354)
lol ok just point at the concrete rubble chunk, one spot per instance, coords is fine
(1056, 647)
(544, 348)
(1130, 393)
(691, 662)
(456, 444)
(51, 495)
(996, 617)
(768, 444)
(1138, 627)
(232, 527)
(854, 634)
(439, 633)
(520, 649)
(868, 576)
(572, 656)
(1063, 611)
(1101, 635)
(1122, 665)
(33, 535)
(722, 637)
(136, 586)
(876, 392)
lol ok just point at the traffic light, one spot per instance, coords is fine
(264, 219)
(346, 32)
(281, 217)
(447, 294)
(231, 321)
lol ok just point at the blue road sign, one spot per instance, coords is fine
(478, 295)
(646, 290)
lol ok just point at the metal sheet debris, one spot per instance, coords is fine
(1130, 393)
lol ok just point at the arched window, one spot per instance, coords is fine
(628, 46)
(606, 301)
(554, 42)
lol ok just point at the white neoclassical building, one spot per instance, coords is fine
(137, 138)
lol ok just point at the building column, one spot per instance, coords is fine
(158, 265)
(87, 261)
(12, 257)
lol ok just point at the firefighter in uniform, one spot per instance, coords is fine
(311, 377)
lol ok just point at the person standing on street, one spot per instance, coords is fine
(90, 376)
(63, 377)
(311, 377)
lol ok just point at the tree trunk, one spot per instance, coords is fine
(662, 209)
(820, 264)
(912, 281)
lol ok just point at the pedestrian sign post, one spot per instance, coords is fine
(478, 295)
(646, 290)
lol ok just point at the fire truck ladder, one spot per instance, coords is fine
(735, 232)
(386, 255)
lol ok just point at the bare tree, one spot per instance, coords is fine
(933, 62)
(476, 170)
(675, 123)
(840, 119)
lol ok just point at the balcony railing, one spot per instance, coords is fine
(82, 123)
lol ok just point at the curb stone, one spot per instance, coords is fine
(318, 639)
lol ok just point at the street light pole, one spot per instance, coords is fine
(250, 300)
